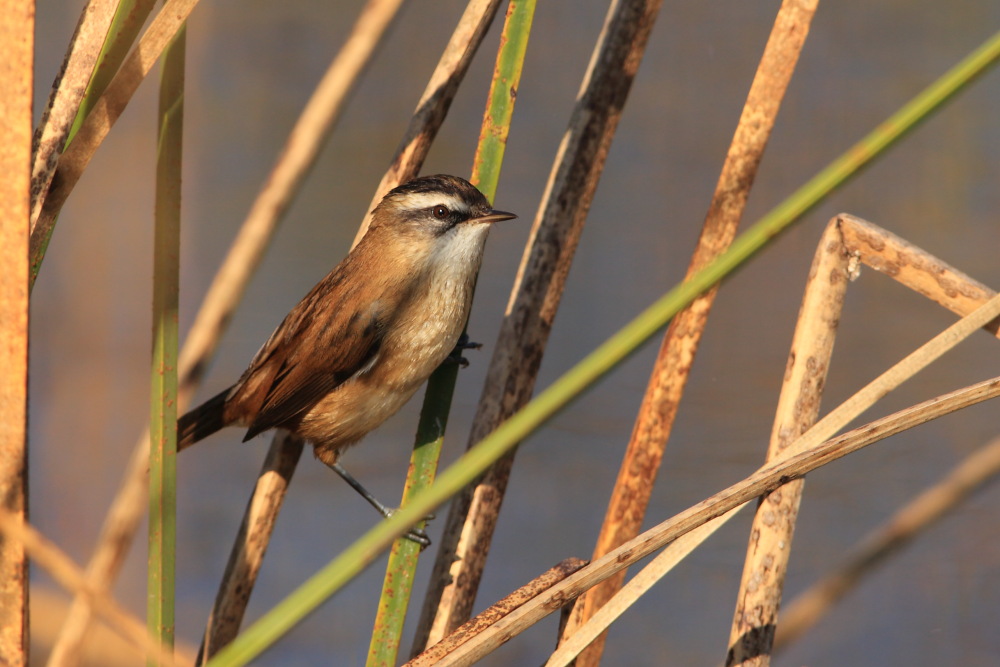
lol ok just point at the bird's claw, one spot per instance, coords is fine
(417, 535)
(463, 344)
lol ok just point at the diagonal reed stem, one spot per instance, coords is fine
(616, 349)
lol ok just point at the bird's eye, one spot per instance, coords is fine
(441, 212)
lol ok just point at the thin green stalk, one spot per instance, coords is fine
(163, 415)
(129, 18)
(616, 349)
(401, 568)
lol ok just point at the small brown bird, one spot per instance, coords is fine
(365, 338)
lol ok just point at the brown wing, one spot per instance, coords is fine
(316, 348)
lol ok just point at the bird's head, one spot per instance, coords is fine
(433, 206)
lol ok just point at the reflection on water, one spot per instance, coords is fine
(251, 67)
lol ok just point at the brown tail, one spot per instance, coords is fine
(202, 421)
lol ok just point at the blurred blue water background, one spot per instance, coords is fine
(251, 67)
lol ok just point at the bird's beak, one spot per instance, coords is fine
(494, 216)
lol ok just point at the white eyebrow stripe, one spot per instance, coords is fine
(418, 200)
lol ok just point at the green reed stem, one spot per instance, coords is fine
(163, 415)
(401, 568)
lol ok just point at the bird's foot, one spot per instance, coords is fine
(414, 534)
(417, 535)
(463, 344)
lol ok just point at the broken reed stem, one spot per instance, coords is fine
(851, 240)
(913, 267)
(716, 508)
(756, 612)
(534, 300)
(637, 474)
(805, 610)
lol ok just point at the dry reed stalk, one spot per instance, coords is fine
(771, 476)
(67, 94)
(495, 612)
(308, 135)
(805, 610)
(17, 30)
(534, 300)
(66, 573)
(642, 458)
(251, 543)
(103, 116)
(436, 100)
(755, 619)
(798, 407)
(237, 582)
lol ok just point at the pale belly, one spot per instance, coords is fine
(406, 359)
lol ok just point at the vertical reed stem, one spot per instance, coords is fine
(163, 396)
(17, 31)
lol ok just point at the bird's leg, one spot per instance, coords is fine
(414, 534)
(463, 344)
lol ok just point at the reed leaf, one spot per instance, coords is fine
(163, 414)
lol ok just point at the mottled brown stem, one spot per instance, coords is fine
(798, 406)
(250, 545)
(537, 292)
(641, 462)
